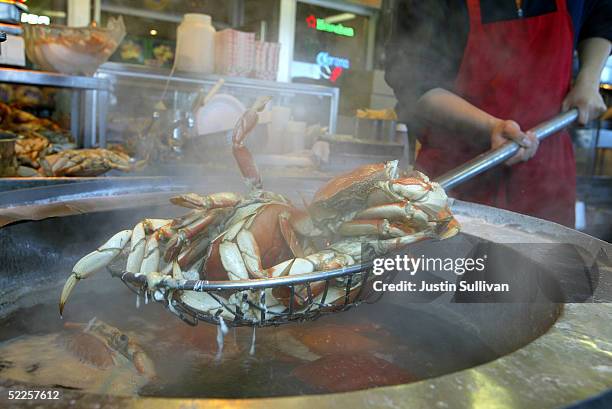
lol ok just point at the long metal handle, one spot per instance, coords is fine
(494, 157)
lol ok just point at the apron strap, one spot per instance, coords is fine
(475, 14)
(562, 6)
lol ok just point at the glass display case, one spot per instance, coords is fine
(148, 110)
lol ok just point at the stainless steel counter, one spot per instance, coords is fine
(51, 79)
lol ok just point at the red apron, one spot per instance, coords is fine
(521, 70)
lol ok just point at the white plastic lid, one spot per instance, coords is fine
(197, 18)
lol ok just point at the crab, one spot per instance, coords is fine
(94, 357)
(84, 162)
(228, 236)
(26, 124)
(30, 150)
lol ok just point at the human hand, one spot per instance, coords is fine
(587, 99)
(505, 130)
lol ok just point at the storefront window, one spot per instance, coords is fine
(330, 49)
(262, 18)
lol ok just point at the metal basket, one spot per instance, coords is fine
(355, 280)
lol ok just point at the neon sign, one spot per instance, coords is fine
(320, 24)
(323, 58)
(332, 67)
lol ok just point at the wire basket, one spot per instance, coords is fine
(309, 295)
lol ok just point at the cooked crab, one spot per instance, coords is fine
(26, 124)
(232, 237)
(84, 162)
(29, 150)
(93, 357)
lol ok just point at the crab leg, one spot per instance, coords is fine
(391, 211)
(93, 262)
(425, 196)
(137, 249)
(377, 227)
(61, 163)
(243, 156)
(208, 202)
(187, 219)
(232, 260)
(290, 235)
(150, 261)
(189, 232)
(118, 166)
(321, 261)
(403, 211)
(193, 252)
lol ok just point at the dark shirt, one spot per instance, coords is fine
(429, 38)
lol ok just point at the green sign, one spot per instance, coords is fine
(320, 24)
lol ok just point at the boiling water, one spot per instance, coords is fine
(406, 344)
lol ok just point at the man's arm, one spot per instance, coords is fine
(441, 110)
(584, 95)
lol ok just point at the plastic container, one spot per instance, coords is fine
(265, 62)
(234, 53)
(280, 117)
(295, 136)
(195, 49)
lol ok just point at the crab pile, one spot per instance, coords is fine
(42, 148)
(262, 235)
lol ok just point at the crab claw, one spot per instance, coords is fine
(94, 261)
(68, 286)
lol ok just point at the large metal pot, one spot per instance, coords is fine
(538, 354)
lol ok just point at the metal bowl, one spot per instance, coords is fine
(542, 353)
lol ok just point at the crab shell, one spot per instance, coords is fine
(268, 242)
(85, 162)
(347, 189)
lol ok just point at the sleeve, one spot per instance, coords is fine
(596, 20)
(425, 50)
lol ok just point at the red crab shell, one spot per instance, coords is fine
(267, 232)
(354, 182)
